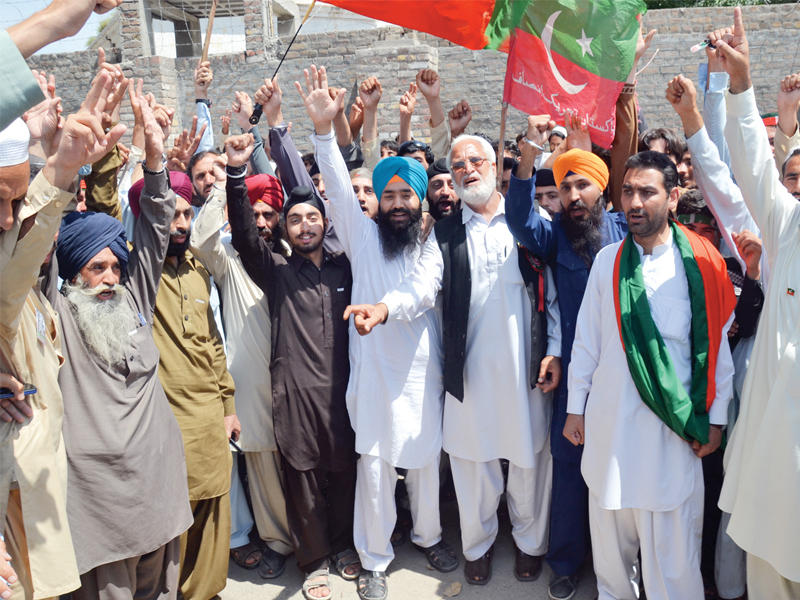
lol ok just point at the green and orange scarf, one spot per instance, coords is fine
(712, 300)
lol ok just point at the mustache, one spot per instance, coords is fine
(94, 292)
(636, 212)
(399, 211)
(179, 232)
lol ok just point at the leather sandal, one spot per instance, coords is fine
(372, 585)
(525, 563)
(441, 556)
(479, 572)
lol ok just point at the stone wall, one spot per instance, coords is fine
(395, 55)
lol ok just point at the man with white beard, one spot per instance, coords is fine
(127, 500)
(501, 361)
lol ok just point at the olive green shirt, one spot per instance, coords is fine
(194, 374)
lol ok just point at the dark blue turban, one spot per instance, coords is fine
(407, 169)
(83, 235)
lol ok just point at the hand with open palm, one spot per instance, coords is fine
(321, 108)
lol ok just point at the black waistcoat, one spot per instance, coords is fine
(451, 234)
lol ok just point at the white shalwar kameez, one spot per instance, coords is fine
(645, 482)
(501, 416)
(762, 480)
(395, 393)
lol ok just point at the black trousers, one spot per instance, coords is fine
(319, 510)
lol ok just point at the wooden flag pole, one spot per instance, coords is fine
(208, 31)
(258, 109)
(501, 145)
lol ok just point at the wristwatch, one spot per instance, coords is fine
(205, 101)
(534, 144)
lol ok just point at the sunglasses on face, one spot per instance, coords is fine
(461, 165)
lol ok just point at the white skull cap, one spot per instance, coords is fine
(14, 142)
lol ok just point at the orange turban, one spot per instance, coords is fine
(583, 163)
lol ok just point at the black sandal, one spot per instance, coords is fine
(441, 556)
(272, 564)
(372, 585)
(344, 559)
(242, 554)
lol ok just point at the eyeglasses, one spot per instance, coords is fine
(461, 165)
(411, 147)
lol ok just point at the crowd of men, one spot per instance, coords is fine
(228, 351)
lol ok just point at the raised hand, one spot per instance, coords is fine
(714, 64)
(242, 108)
(539, 128)
(269, 97)
(321, 108)
(44, 119)
(184, 147)
(577, 132)
(238, 148)
(459, 118)
(203, 76)
(749, 246)
(644, 41)
(682, 95)
(82, 140)
(153, 135)
(408, 101)
(789, 104)
(733, 52)
(428, 83)
(370, 93)
(163, 116)
(356, 118)
(226, 121)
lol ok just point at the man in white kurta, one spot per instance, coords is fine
(395, 393)
(762, 480)
(500, 415)
(248, 345)
(645, 482)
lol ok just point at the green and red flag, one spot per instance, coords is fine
(573, 55)
(563, 54)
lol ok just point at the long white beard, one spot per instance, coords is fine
(105, 324)
(477, 196)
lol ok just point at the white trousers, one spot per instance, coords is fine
(765, 583)
(241, 520)
(730, 563)
(375, 511)
(479, 486)
(669, 542)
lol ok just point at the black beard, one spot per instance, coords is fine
(174, 249)
(585, 235)
(395, 241)
(273, 239)
(438, 215)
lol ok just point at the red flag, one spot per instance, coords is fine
(463, 22)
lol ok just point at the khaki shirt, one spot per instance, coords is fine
(193, 371)
(30, 350)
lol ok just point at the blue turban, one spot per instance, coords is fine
(85, 234)
(407, 169)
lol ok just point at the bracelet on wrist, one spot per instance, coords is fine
(151, 171)
(235, 171)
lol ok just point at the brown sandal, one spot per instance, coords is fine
(527, 567)
(479, 572)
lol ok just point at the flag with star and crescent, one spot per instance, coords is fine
(563, 54)
(571, 55)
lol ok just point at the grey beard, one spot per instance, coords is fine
(104, 324)
(478, 195)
